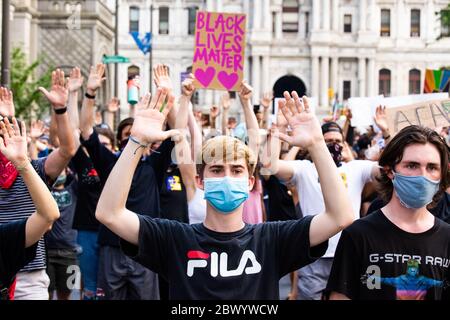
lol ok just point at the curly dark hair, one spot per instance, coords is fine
(393, 154)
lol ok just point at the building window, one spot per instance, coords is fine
(414, 81)
(306, 23)
(384, 82)
(415, 23)
(347, 92)
(290, 16)
(134, 19)
(347, 23)
(445, 23)
(192, 12)
(385, 23)
(163, 20)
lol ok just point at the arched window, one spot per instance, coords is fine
(384, 82)
(414, 81)
(134, 19)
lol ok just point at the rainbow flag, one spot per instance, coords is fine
(436, 81)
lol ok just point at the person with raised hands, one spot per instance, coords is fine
(15, 200)
(304, 175)
(222, 258)
(19, 238)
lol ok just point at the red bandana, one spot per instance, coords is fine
(8, 172)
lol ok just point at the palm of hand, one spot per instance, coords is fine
(148, 124)
(74, 84)
(306, 129)
(58, 95)
(94, 82)
(36, 132)
(16, 149)
(113, 106)
(381, 121)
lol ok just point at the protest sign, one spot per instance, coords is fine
(430, 114)
(219, 50)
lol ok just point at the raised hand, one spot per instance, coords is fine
(149, 118)
(187, 87)
(13, 143)
(6, 102)
(75, 80)
(214, 112)
(245, 91)
(58, 94)
(36, 129)
(281, 121)
(266, 99)
(96, 78)
(304, 124)
(380, 118)
(225, 101)
(161, 77)
(113, 105)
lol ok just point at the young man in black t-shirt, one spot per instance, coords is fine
(18, 239)
(223, 258)
(400, 251)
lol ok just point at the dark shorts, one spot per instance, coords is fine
(62, 269)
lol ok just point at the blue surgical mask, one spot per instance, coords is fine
(226, 194)
(415, 191)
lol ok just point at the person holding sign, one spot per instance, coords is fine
(223, 258)
(412, 260)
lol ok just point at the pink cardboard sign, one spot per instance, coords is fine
(219, 50)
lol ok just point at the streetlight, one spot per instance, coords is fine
(5, 45)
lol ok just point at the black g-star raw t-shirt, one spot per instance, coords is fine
(376, 260)
(203, 264)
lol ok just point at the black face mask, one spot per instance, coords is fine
(336, 152)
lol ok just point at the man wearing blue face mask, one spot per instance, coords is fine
(382, 245)
(223, 258)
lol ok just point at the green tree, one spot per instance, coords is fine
(28, 101)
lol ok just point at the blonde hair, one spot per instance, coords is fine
(227, 149)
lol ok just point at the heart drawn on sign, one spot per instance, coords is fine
(205, 77)
(228, 80)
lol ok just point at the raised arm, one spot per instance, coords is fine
(94, 82)
(265, 101)
(245, 96)
(13, 146)
(225, 104)
(307, 134)
(147, 128)
(74, 84)
(182, 148)
(58, 96)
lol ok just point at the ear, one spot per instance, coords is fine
(389, 172)
(251, 182)
(199, 182)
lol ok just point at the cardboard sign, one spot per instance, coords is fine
(430, 114)
(219, 50)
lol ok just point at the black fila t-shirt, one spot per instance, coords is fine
(376, 260)
(203, 264)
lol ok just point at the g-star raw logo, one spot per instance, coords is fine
(219, 266)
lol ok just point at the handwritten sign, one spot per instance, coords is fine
(430, 114)
(219, 50)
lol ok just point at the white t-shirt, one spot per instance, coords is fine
(355, 175)
(197, 207)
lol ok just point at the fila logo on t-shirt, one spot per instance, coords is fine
(219, 264)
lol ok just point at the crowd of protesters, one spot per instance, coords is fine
(179, 204)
